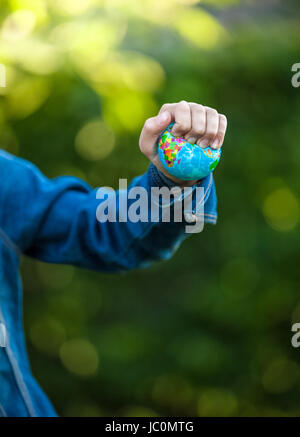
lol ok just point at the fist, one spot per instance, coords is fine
(198, 124)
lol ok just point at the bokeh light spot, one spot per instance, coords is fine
(95, 141)
(37, 7)
(130, 69)
(18, 25)
(128, 110)
(199, 27)
(281, 210)
(27, 97)
(280, 376)
(80, 357)
(72, 7)
(217, 402)
(47, 335)
(39, 58)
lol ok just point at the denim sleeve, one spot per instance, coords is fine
(54, 220)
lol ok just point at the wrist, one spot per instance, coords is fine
(169, 179)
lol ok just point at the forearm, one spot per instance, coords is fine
(115, 241)
(55, 220)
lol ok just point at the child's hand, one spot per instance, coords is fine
(196, 123)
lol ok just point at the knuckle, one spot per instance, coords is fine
(164, 107)
(183, 104)
(199, 108)
(222, 127)
(212, 112)
(148, 126)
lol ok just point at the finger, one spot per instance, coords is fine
(198, 116)
(151, 131)
(219, 139)
(212, 126)
(181, 115)
(183, 119)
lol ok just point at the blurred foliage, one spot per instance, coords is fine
(208, 332)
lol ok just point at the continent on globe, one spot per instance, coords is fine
(184, 160)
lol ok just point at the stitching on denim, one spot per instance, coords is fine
(210, 215)
(20, 382)
(211, 221)
(9, 243)
(18, 376)
(207, 215)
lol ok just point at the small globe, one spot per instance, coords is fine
(184, 160)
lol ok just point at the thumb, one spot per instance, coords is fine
(151, 131)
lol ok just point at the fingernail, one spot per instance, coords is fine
(204, 143)
(215, 144)
(191, 140)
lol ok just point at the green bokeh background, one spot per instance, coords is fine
(208, 332)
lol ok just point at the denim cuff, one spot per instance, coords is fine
(208, 201)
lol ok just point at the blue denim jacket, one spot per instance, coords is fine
(54, 220)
